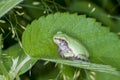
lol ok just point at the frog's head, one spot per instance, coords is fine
(59, 37)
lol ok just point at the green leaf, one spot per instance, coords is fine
(4, 75)
(102, 44)
(87, 65)
(6, 5)
(16, 61)
(101, 76)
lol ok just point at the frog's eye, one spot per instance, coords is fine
(61, 42)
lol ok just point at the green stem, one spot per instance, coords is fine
(22, 64)
(4, 71)
(87, 74)
(17, 78)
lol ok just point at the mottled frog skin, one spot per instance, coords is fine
(70, 47)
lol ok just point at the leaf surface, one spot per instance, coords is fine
(6, 5)
(14, 57)
(103, 45)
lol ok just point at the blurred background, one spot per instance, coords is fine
(15, 21)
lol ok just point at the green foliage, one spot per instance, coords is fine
(101, 76)
(92, 10)
(2, 69)
(101, 43)
(16, 61)
(1, 45)
(6, 5)
(16, 52)
(87, 65)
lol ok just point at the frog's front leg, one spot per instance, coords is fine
(61, 52)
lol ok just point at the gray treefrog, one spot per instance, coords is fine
(70, 47)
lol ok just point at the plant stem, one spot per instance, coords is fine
(17, 78)
(4, 71)
(27, 58)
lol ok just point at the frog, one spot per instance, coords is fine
(69, 47)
